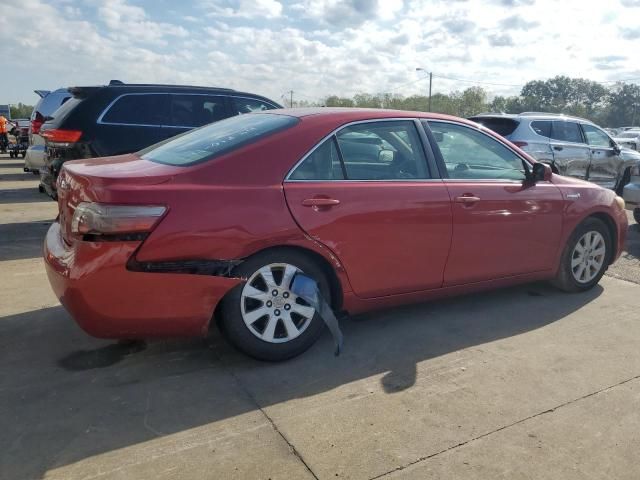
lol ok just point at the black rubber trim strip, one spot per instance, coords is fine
(216, 268)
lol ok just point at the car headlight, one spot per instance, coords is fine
(620, 202)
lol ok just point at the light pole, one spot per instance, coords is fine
(419, 69)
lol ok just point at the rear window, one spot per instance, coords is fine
(50, 103)
(216, 139)
(502, 126)
(63, 110)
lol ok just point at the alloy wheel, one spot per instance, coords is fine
(270, 310)
(588, 256)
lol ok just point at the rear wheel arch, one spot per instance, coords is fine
(334, 282)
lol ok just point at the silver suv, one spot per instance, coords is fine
(572, 146)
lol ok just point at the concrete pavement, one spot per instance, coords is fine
(526, 382)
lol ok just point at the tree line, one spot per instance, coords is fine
(613, 106)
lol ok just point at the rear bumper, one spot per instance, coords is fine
(108, 301)
(34, 160)
(631, 194)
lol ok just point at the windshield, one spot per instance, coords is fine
(218, 138)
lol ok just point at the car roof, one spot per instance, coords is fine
(348, 114)
(533, 116)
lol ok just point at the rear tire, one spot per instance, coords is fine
(585, 257)
(636, 215)
(278, 334)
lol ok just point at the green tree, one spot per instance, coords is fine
(335, 101)
(21, 110)
(624, 105)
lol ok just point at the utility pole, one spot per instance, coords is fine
(419, 69)
(290, 98)
(430, 81)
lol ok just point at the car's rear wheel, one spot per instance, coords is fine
(585, 257)
(262, 317)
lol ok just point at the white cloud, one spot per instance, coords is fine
(242, 8)
(315, 47)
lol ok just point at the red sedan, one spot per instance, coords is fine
(380, 207)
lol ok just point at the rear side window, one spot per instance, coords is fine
(566, 132)
(138, 109)
(502, 126)
(196, 110)
(216, 139)
(250, 105)
(542, 127)
(322, 164)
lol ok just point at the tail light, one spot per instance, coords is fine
(58, 135)
(102, 219)
(36, 123)
(520, 144)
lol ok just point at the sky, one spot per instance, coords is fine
(314, 47)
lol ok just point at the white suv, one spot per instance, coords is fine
(572, 146)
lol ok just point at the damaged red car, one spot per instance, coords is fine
(380, 208)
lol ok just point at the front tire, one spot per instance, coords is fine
(585, 257)
(262, 317)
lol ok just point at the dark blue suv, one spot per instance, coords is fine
(120, 118)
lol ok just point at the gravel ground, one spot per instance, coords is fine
(628, 265)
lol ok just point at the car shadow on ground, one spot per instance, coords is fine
(632, 245)
(68, 397)
(22, 195)
(22, 240)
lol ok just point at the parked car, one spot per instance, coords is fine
(572, 146)
(631, 193)
(48, 103)
(629, 139)
(122, 118)
(379, 207)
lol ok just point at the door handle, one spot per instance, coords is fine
(467, 199)
(558, 148)
(320, 202)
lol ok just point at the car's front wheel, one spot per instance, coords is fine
(585, 257)
(262, 317)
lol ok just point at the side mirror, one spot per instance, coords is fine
(617, 149)
(541, 172)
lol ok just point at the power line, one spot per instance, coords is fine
(477, 82)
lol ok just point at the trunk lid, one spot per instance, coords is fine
(107, 180)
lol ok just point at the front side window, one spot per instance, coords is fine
(138, 109)
(596, 137)
(216, 139)
(566, 132)
(196, 110)
(470, 154)
(250, 105)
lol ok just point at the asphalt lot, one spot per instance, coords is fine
(525, 382)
